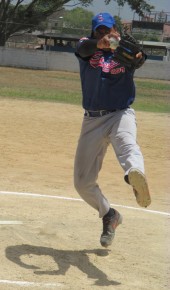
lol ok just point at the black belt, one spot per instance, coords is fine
(99, 113)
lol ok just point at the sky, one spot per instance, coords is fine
(124, 12)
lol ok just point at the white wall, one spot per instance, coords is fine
(64, 61)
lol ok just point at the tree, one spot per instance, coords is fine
(26, 15)
(77, 21)
(139, 6)
(119, 25)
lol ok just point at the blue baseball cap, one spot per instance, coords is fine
(103, 19)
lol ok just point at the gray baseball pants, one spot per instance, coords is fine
(117, 128)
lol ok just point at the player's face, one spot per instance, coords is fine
(102, 30)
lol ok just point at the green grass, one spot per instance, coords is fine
(38, 94)
(40, 85)
(152, 96)
(65, 87)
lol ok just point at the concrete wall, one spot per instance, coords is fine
(64, 61)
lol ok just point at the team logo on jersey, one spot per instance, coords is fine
(108, 65)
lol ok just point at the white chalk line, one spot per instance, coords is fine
(11, 223)
(79, 199)
(28, 284)
(34, 284)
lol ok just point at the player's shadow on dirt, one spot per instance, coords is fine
(64, 259)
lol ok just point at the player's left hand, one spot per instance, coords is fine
(129, 52)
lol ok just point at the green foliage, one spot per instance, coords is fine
(23, 15)
(139, 6)
(78, 18)
(153, 37)
(146, 36)
(118, 23)
(77, 21)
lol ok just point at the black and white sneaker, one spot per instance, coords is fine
(110, 222)
(140, 187)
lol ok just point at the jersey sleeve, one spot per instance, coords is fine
(86, 47)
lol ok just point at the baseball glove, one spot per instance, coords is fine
(126, 52)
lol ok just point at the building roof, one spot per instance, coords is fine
(69, 37)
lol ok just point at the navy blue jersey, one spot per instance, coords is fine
(106, 84)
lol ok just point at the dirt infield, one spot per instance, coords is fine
(56, 245)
